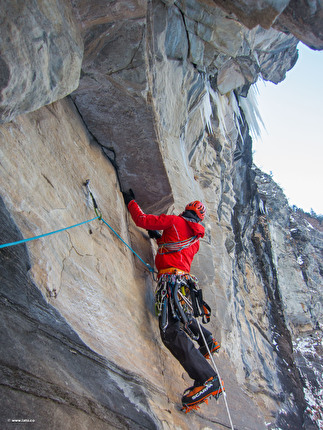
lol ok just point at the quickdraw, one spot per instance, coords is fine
(200, 307)
(180, 295)
(169, 248)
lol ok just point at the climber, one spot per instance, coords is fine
(177, 246)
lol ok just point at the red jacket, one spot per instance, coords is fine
(176, 229)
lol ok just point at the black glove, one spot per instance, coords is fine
(128, 196)
(154, 234)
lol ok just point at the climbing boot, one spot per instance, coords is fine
(196, 395)
(213, 346)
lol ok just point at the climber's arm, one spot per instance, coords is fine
(148, 221)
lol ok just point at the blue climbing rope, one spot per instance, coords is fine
(171, 247)
(151, 269)
(4, 245)
(98, 216)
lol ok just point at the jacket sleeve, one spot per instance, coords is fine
(147, 221)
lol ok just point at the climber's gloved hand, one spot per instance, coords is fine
(128, 196)
(154, 234)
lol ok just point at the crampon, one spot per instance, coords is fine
(195, 407)
(198, 395)
(213, 346)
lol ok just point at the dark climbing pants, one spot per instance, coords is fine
(184, 350)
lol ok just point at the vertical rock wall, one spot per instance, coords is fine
(159, 108)
(41, 55)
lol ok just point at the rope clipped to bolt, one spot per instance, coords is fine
(100, 218)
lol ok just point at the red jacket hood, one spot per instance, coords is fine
(197, 228)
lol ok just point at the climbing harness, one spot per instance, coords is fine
(199, 306)
(181, 295)
(98, 216)
(172, 270)
(169, 248)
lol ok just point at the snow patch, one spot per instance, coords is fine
(300, 260)
(308, 225)
(308, 355)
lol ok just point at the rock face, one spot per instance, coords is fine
(296, 17)
(65, 364)
(164, 106)
(303, 22)
(123, 80)
(46, 364)
(41, 55)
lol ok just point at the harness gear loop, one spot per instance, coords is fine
(200, 307)
(174, 294)
(172, 271)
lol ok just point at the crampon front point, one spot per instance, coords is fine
(194, 406)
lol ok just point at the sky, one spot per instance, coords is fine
(291, 145)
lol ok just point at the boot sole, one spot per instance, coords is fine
(195, 405)
(216, 349)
